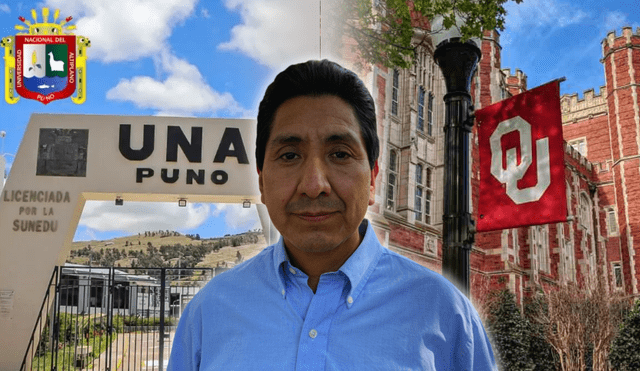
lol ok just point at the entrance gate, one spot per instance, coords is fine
(66, 160)
(111, 318)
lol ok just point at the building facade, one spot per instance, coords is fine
(602, 174)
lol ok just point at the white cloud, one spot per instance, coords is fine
(124, 30)
(134, 217)
(277, 32)
(204, 12)
(614, 21)
(542, 13)
(236, 216)
(85, 234)
(182, 93)
(5, 8)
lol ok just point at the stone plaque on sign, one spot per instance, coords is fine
(62, 152)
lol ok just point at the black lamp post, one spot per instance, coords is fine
(458, 62)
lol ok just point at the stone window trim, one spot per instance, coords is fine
(567, 257)
(618, 276)
(428, 197)
(426, 191)
(419, 193)
(611, 217)
(421, 109)
(430, 115)
(580, 145)
(515, 245)
(539, 237)
(584, 213)
(428, 205)
(569, 196)
(395, 92)
(392, 180)
(423, 200)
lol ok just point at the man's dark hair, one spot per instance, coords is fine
(318, 78)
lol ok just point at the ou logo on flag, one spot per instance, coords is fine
(514, 171)
(534, 117)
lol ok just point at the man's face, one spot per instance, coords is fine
(316, 181)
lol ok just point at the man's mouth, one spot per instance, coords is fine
(315, 216)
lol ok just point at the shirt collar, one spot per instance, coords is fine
(357, 268)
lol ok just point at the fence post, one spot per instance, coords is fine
(162, 299)
(109, 306)
(54, 323)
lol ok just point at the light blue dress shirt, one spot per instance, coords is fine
(379, 311)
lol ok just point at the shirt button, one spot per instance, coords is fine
(292, 270)
(350, 300)
(313, 334)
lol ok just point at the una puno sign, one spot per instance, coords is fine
(230, 144)
(45, 63)
(65, 160)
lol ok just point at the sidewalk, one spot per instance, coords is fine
(134, 351)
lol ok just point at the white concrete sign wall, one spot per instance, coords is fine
(65, 160)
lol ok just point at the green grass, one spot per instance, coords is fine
(77, 331)
(66, 354)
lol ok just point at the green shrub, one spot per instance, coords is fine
(624, 354)
(142, 321)
(509, 333)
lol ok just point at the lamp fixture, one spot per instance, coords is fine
(246, 204)
(119, 201)
(453, 34)
(182, 202)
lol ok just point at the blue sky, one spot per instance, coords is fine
(215, 58)
(548, 39)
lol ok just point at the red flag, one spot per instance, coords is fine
(522, 161)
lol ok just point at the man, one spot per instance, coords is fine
(327, 296)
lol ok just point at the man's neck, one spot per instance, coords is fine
(315, 264)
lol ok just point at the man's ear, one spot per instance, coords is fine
(372, 186)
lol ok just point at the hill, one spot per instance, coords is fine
(167, 249)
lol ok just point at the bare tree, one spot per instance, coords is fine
(578, 320)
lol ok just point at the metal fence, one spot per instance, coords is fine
(95, 318)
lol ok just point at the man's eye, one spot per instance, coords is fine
(289, 156)
(340, 155)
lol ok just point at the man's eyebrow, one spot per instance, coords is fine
(286, 139)
(341, 137)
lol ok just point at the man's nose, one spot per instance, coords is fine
(314, 178)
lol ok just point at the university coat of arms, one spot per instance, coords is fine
(45, 63)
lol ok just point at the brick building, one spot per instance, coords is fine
(602, 173)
